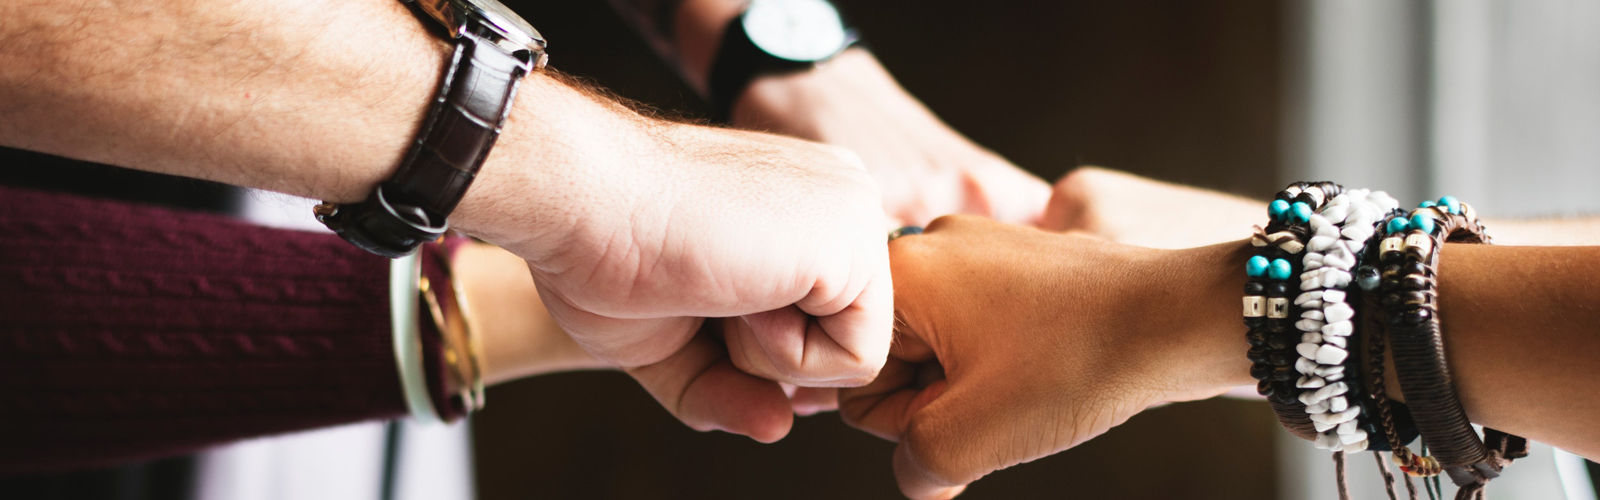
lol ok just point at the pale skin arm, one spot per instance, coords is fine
(635, 229)
(1067, 336)
(923, 166)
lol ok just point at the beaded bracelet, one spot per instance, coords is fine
(1340, 232)
(1409, 255)
(1268, 312)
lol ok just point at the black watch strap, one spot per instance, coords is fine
(411, 208)
(737, 63)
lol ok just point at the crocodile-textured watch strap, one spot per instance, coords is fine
(411, 208)
(461, 128)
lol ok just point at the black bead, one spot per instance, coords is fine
(1280, 341)
(1279, 358)
(1414, 282)
(1415, 268)
(1418, 315)
(1284, 373)
(1254, 288)
(1255, 323)
(1264, 387)
(1278, 289)
(1284, 397)
(1260, 371)
(1256, 355)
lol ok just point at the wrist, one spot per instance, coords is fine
(562, 159)
(1203, 346)
(519, 338)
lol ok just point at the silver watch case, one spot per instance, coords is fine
(491, 20)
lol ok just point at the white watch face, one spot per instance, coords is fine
(799, 30)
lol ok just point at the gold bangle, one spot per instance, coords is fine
(461, 349)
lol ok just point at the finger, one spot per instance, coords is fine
(816, 345)
(807, 401)
(700, 387)
(885, 406)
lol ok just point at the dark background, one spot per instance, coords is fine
(1183, 91)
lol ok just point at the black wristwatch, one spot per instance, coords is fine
(773, 36)
(494, 48)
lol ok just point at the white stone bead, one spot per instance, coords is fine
(1325, 371)
(1313, 265)
(1318, 407)
(1309, 325)
(1307, 350)
(1311, 283)
(1312, 314)
(1292, 191)
(1309, 398)
(1306, 366)
(1339, 311)
(1312, 337)
(1327, 442)
(1357, 232)
(1354, 437)
(1337, 213)
(1348, 427)
(1317, 221)
(1338, 329)
(1333, 260)
(1310, 382)
(1330, 355)
(1341, 279)
(1336, 340)
(1333, 295)
(1338, 403)
(1382, 200)
(1322, 426)
(1321, 243)
(1331, 390)
(1354, 448)
(1334, 377)
(1315, 304)
(1305, 297)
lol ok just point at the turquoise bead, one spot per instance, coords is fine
(1422, 223)
(1300, 212)
(1397, 225)
(1280, 270)
(1277, 208)
(1450, 203)
(1428, 204)
(1256, 266)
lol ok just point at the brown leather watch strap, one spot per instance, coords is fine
(465, 120)
(411, 208)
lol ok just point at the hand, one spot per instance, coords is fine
(925, 168)
(1126, 208)
(1016, 343)
(782, 238)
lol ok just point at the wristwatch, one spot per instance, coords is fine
(774, 36)
(494, 49)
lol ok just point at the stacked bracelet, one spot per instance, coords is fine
(1340, 232)
(1409, 254)
(1269, 313)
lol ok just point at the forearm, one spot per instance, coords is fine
(309, 98)
(1518, 325)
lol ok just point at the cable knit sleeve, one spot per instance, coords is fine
(130, 332)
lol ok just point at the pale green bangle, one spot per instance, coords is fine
(404, 275)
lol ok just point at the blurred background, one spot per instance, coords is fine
(1494, 101)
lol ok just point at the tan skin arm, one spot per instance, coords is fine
(1066, 336)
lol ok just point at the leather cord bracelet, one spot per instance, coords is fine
(1409, 255)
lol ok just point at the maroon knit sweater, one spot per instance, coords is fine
(131, 332)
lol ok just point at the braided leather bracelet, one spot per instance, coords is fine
(1409, 254)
